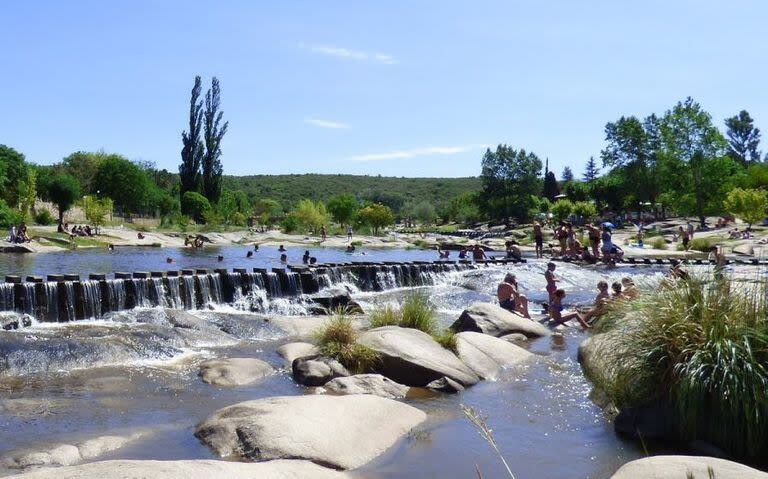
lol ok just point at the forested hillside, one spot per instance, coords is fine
(289, 189)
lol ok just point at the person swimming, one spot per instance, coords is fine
(281, 248)
(220, 258)
(169, 260)
(283, 258)
(249, 254)
(305, 258)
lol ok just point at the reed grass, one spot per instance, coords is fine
(337, 339)
(417, 312)
(701, 346)
(659, 243)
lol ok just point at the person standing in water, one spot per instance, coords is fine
(323, 235)
(538, 237)
(552, 280)
(478, 253)
(717, 254)
(349, 233)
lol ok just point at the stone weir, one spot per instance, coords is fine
(62, 298)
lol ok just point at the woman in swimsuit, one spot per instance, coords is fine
(549, 275)
(557, 313)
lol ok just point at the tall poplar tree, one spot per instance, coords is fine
(192, 151)
(214, 133)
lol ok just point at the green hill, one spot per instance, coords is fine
(289, 189)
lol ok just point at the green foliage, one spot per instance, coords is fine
(8, 215)
(701, 244)
(213, 133)
(418, 312)
(343, 208)
(385, 316)
(591, 171)
(16, 179)
(749, 205)
(195, 205)
(446, 339)
(743, 138)
(509, 177)
(267, 210)
(658, 243)
(44, 217)
(702, 347)
(96, 209)
(290, 224)
(181, 221)
(584, 209)
(129, 186)
(63, 190)
(192, 150)
(425, 213)
(310, 215)
(551, 188)
(337, 339)
(376, 216)
(561, 209)
(233, 207)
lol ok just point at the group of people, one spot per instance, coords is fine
(75, 230)
(18, 235)
(601, 245)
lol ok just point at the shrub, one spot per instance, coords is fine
(338, 340)
(385, 316)
(8, 216)
(446, 339)
(44, 217)
(195, 205)
(418, 313)
(290, 224)
(701, 244)
(701, 347)
(659, 242)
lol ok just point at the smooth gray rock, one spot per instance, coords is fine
(375, 384)
(515, 337)
(292, 351)
(445, 385)
(496, 321)
(10, 320)
(66, 454)
(486, 355)
(673, 467)
(744, 249)
(342, 432)
(316, 370)
(234, 371)
(283, 469)
(304, 326)
(412, 357)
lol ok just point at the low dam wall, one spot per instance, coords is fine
(62, 298)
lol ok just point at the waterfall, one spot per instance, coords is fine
(117, 296)
(294, 284)
(69, 300)
(188, 297)
(91, 298)
(141, 291)
(174, 292)
(6, 297)
(215, 284)
(52, 301)
(30, 298)
(157, 293)
(273, 285)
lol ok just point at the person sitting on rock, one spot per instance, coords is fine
(558, 314)
(513, 250)
(630, 290)
(510, 298)
(601, 300)
(140, 235)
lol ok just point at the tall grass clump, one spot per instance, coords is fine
(702, 348)
(385, 316)
(658, 242)
(337, 339)
(417, 312)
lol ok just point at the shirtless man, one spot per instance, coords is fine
(538, 237)
(594, 240)
(513, 251)
(552, 280)
(717, 254)
(478, 253)
(510, 298)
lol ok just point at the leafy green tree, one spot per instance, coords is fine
(592, 171)
(268, 210)
(561, 209)
(394, 201)
(584, 209)
(126, 183)
(311, 215)
(567, 174)
(214, 132)
(425, 213)
(8, 215)
(15, 177)
(754, 176)
(96, 209)
(376, 216)
(509, 177)
(551, 188)
(168, 206)
(62, 190)
(577, 190)
(82, 165)
(694, 160)
(343, 208)
(608, 192)
(192, 151)
(749, 205)
(743, 138)
(195, 205)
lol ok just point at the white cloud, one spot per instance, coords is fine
(404, 154)
(333, 125)
(352, 54)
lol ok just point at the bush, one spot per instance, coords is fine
(194, 205)
(446, 339)
(658, 242)
(9, 216)
(385, 316)
(702, 348)
(418, 313)
(338, 340)
(290, 224)
(44, 217)
(701, 244)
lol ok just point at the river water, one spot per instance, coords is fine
(133, 372)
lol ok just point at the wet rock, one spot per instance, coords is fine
(413, 358)
(283, 469)
(292, 351)
(304, 326)
(496, 321)
(744, 249)
(234, 371)
(335, 299)
(375, 384)
(342, 432)
(486, 355)
(445, 385)
(316, 370)
(652, 421)
(10, 321)
(66, 454)
(515, 337)
(93, 448)
(661, 467)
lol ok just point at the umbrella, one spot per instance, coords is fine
(609, 224)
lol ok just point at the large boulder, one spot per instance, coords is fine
(673, 467)
(292, 351)
(316, 370)
(342, 432)
(283, 469)
(375, 384)
(487, 355)
(496, 321)
(412, 357)
(334, 299)
(234, 371)
(66, 454)
(304, 326)
(745, 249)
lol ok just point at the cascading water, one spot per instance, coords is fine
(157, 294)
(174, 292)
(91, 299)
(117, 295)
(30, 298)
(52, 301)
(214, 280)
(187, 284)
(68, 300)
(6, 296)
(294, 284)
(273, 285)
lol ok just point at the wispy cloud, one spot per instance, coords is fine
(333, 125)
(350, 54)
(414, 152)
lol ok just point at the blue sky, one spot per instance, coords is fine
(393, 88)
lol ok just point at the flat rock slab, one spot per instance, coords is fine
(673, 467)
(285, 469)
(305, 326)
(486, 355)
(413, 358)
(66, 454)
(342, 432)
(234, 371)
(375, 384)
(292, 351)
(496, 321)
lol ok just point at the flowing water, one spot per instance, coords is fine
(136, 370)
